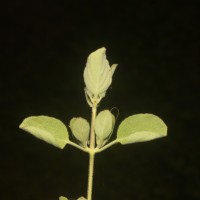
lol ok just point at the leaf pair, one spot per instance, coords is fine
(53, 131)
(136, 128)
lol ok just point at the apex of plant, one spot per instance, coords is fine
(97, 76)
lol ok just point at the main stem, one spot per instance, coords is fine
(90, 176)
(91, 155)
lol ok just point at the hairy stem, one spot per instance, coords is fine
(90, 176)
(92, 134)
(91, 155)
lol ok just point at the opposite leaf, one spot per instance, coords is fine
(103, 126)
(49, 129)
(80, 129)
(63, 198)
(140, 128)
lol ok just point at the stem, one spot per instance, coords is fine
(92, 134)
(90, 176)
(91, 155)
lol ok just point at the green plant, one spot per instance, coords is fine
(94, 137)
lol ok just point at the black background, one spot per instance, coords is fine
(44, 46)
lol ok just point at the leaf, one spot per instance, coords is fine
(113, 124)
(81, 198)
(49, 129)
(63, 198)
(80, 129)
(140, 128)
(103, 126)
(97, 75)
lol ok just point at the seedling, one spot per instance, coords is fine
(94, 137)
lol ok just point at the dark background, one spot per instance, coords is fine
(44, 46)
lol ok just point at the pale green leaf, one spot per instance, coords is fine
(103, 126)
(63, 198)
(140, 128)
(81, 198)
(80, 129)
(113, 124)
(97, 75)
(112, 69)
(49, 129)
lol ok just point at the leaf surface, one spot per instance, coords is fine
(103, 126)
(80, 129)
(97, 75)
(48, 129)
(63, 198)
(141, 128)
(81, 198)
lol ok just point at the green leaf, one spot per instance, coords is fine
(97, 75)
(140, 128)
(63, 198)
(113, 124)
(80, 129)
(49, 129)
(81, 198)
(103, 126)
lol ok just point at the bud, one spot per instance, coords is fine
(97, 76)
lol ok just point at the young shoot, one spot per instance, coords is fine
(94, 137)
